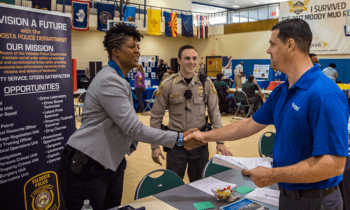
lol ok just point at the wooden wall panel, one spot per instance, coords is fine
(262, 25)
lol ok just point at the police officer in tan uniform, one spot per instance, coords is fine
(183, 95)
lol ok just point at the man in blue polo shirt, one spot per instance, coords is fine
(310, 114)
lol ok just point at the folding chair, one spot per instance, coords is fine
(243, 102)
(266, 144)
(150, 101)
(150, 186)
(211, 169)
(79, 105)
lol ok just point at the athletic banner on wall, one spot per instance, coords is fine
(36, 105)
(105, 12)
(187, 25)
(326, 18)
(80, 15)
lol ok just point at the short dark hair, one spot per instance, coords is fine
(219, 76)
(332, 65)
(312, 55)
(117, 35)
(250, 78)
(296, 29)
(185, 47)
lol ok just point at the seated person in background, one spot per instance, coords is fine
(331, 72)
(221, 85)
(249, 89)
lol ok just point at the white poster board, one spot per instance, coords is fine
(261, 71)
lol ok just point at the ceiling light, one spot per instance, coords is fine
(236, 6)
(256, 2)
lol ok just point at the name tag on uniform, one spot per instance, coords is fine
(175, 96)
(200, 91)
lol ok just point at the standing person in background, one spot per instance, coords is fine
(314, 59)
(186, 99)
(140, 86)
(310, 114)
(331, 72)
(238, 75)
(201, 69)
(93, 162)
(161, 70)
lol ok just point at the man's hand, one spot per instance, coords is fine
(188, 132)
(194, 140)
(261, 176)
(192, 143)
(224, 151)
(155, 155)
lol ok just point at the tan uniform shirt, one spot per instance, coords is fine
(171, 96)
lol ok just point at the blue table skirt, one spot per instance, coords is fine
(263, 84)
(154, 82)
(146, 95)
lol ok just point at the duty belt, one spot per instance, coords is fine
(308, 193)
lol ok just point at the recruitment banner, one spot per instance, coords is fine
(36, 105)
(327, 20)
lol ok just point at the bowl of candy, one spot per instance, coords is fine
(223, 193)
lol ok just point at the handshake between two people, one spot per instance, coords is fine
(196, 141)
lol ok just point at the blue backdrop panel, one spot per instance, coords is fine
(248, 66)
(343, 67)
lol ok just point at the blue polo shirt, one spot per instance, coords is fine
(311, 119)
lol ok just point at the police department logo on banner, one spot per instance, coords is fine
(41, 192)
(298, 7)
(104, 16)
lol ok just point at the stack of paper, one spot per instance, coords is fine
(265, 195)
(209, 183)
(241, 163)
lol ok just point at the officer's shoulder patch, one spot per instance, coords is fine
(160, 90)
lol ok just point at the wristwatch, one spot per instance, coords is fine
(180, 140)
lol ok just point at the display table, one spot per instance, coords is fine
(185, 196)
(274, 84)
(263, 84)
(146, 95)
(343, 86)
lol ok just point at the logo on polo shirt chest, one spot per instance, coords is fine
(295, 107)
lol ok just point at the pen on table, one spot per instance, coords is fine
(271, 196)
